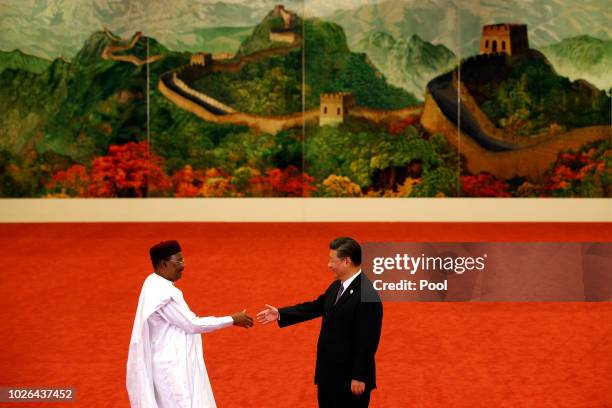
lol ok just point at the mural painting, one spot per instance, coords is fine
(357, 98)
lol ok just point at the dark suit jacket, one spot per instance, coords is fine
(349, 335)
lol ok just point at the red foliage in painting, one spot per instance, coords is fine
(73, 181)
(187, 182)
(217, 184)
(397, 128)
(128, 170)
(287, 182)
(571, 167)
(484, 185)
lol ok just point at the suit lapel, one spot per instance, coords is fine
(352, 290)
(331, 297)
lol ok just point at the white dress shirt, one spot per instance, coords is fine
(350, 280)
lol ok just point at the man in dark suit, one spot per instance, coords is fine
(350, 331)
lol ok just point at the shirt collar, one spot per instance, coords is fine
(163, 279)
(347, 282)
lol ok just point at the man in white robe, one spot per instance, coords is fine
(165, 367)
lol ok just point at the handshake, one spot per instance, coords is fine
(269, 314)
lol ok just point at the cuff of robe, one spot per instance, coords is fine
(226, 321)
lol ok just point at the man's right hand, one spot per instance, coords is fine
(242, 319)
(268, 315)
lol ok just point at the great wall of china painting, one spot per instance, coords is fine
(354, 98)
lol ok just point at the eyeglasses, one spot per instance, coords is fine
(177, 261)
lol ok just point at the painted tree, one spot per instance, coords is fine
(217, 184)
(187, 182)
(582, 173)
(339, 186)
(484, 185)
(128, 170)
(288, 182)
(72, 182)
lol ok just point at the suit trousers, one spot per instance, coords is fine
(329, 398)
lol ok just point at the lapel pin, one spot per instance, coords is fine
(351, 292)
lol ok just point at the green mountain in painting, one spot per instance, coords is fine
(272, 85)
(331, 67)
(524, 95)
(582, 57)
(19, 60)
(73, 111)
(259, 39)
(458, 24)
(409, 63)
(78, 108)
(215, 39)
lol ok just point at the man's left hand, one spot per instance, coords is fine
(357, 387)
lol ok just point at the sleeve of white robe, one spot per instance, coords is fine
(180, 316)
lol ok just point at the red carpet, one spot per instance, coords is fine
(68, 294)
